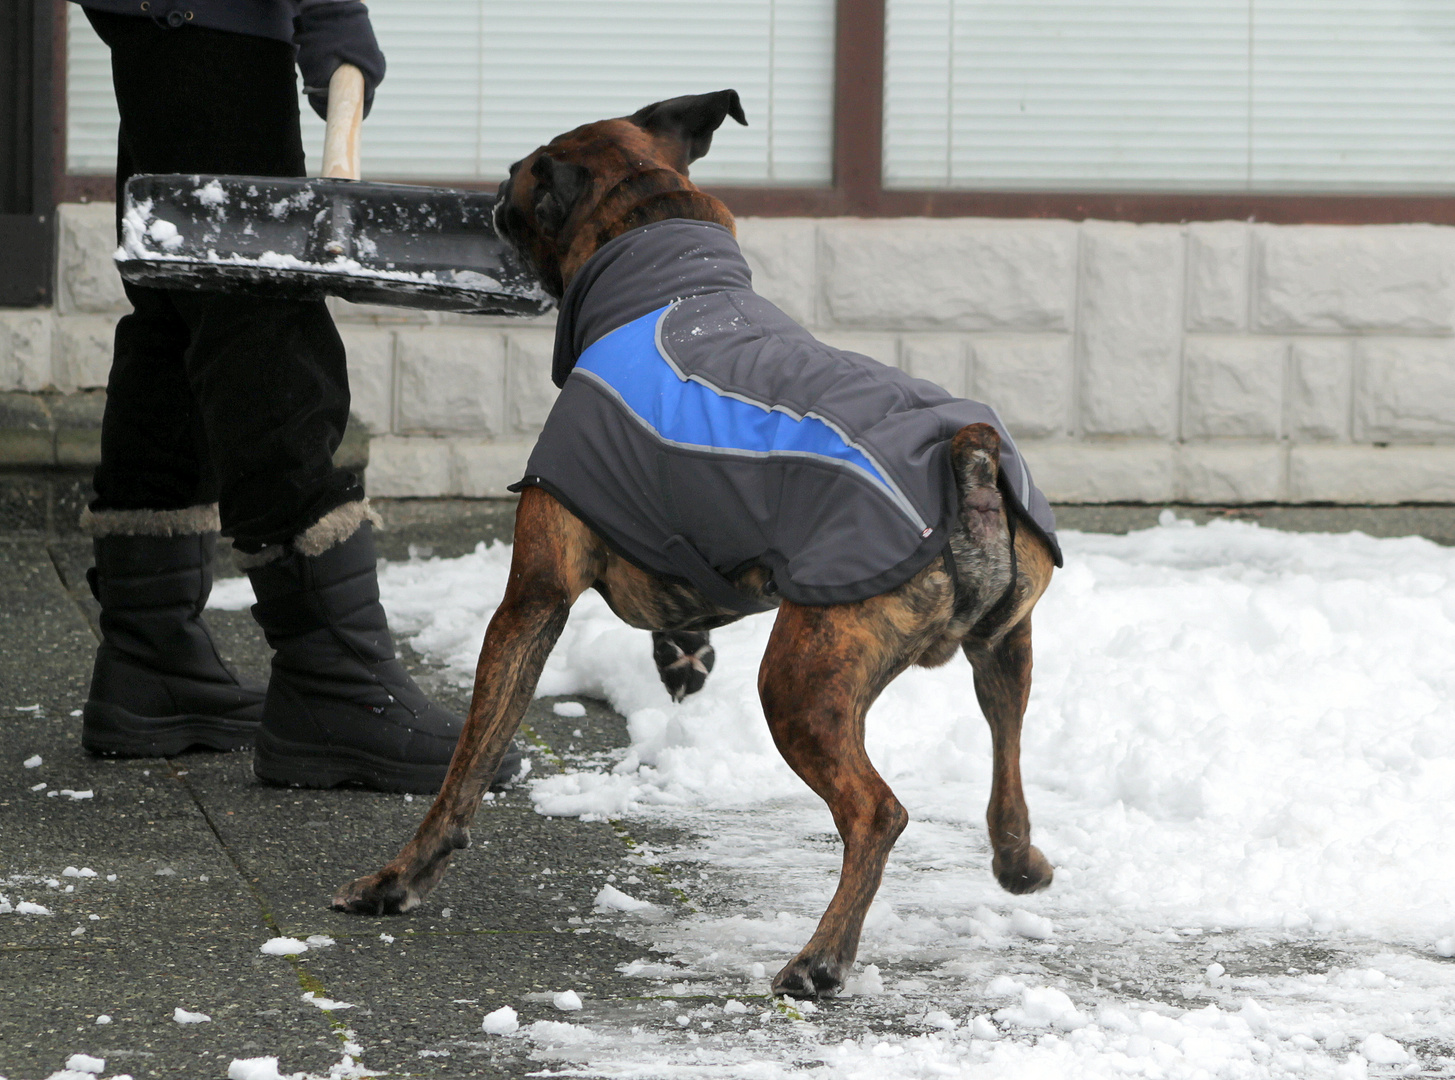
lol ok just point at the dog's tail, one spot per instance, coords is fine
(983, 545)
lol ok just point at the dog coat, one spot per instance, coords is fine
(700, 431)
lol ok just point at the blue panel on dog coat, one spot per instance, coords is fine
(693, 414)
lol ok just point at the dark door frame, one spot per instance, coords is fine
(27, 153)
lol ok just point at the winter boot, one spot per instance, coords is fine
(341, 708)
(159, 685)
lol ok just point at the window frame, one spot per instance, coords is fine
(858, 190)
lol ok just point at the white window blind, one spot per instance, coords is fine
(91, 119)
(1209, 95)
(475, 84)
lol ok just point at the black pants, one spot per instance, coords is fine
(213, 397)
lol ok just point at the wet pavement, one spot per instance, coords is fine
(197, 864)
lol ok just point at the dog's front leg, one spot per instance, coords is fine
(555, 559)
(822, 669)
(1003, 685)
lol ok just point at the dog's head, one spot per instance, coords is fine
(582, 188)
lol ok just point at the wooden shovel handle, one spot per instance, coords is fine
(345, 115)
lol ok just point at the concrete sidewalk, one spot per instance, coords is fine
(197, 865)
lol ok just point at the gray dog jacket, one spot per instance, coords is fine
(701, 431)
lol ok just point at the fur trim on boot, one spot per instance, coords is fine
(335, 527)
(186, 522)
(329, 531)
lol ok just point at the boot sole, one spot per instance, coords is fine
(278, 761)
(112, 731)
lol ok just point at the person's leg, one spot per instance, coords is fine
(265, 381)
(158, 684)
(270, 386)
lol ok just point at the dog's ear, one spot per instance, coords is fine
(691, 120)
(559, 187)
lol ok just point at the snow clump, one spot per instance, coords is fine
(326, 1004)
(557, 1033)
(611, 898)
(211, 194)
(1382, 1050)
(503, 1021)
(1035, 927)
(258, 1068)
(281, 946)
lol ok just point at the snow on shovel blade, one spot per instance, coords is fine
(300, 239)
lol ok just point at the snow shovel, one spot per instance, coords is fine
(300, 239)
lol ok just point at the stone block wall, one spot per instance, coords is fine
(1210, 362)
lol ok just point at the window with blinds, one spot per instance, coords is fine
(1167, 95)
(475, 84)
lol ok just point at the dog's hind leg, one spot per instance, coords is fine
(556, 558)
(1003, 684)
(1006, 572)
(683, 659)
(823, 668)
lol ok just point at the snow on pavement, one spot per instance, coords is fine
(1239, 753)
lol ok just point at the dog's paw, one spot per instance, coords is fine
(809, 977)
(1027, 873)
(377, 894)
(683, 659)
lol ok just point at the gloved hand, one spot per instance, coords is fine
(333, 32)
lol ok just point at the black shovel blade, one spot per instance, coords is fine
(298, 239)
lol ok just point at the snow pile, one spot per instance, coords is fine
(567, 1001)
(1229, 725)
(1235, 736)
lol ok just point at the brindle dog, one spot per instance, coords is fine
(824, 666)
